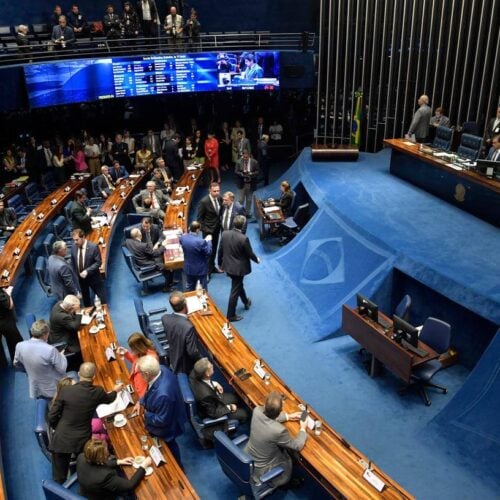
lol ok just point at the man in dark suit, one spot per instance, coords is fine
(247, 174)
(230, 209)
(65, 320)
(235, 253)
(181, 335)
(196, 250)
(62, 277)
(8, 220)
(86, 259)
(270, 440)
(152, 142)
(147, 12)
(71, 416)
(62, 35)
(209, 218)
(420, 122)
(80, 214)
(492, 128)
(119, 152)
(164, 410)
(145, 255)
(105, 182)
(211, 400)
(172, 158)
(494, 152)
(151, 200)
(151, 233)
(118, 172)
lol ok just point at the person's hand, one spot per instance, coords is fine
(121, 351)
(258, 260)
(89, 210)
(293, 417)
(208, 237)
(118, 387)
(125, 461)
(84, 274)
(146, 463)
(303, 425)
(233, 407)
(79, 295)
(137, 408)
(218, 387)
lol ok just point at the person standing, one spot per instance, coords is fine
(43, 363)
(62, 277)
(86, 259)
(147, 12)
(8, 327)
(421, 120)
(492, 128)
(80, 214)
(235, 254)
(197, 251)
(212, 157)
(247, 173)
(71, 416)
(230, 209)
(209, 218)
(174, 27)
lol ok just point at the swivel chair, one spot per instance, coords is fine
(470, 145)
(443, 137)
(55, 491)
(292, 225)
(403, 308)
(41, 274)
(142, 274)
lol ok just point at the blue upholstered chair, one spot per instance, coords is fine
(403, 308)
(16, 203)
(67, 211)
(292, 225)
(29, 319)
(48, 182)
(41, 428)
(41, 274)
(48, 241)
(443, 137)
(61, 229)
(144, 274)
(239, 466)
(134, 219)
(146, 319)
(436, 334)
(201, 426)
(470, 128)
(33, 193)
(470, 145)
(128, 229)
(56, 491)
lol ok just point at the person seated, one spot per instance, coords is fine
(99, 472)
(118, 172)
(151, 233)
(157, 200)
(104, 182)
(62, 35)
(285, 200)
(139, 346)
(270, 440)
(439, 119)
(157, 177)
(211, 400)
(77, 21)
(144, 158)
(56, 14)
(111, 23)
(494, 152)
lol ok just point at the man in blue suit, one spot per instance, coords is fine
(86, 259)
(118, 172)
(494, 152)
(196, 253)
(164, 411)
(62, 277)
(230, 209)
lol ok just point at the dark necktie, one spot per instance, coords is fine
(80, 260)
(148, 238)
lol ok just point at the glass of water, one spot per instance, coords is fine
(144, 443)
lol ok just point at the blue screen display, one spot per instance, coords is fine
(81, 80)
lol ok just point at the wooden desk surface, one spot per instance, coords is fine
(377, 341)
(413, 150)
(168, 480)
(9, 191)
(263, 220)
(336, 464)
(19, 239)
(113, 205)
(175, 259)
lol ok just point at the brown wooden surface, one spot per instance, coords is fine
(3, 493)
(413, 150)
(336, 464)
(113, 205)
(377, 341)
(172, 220)
(168, 480)
(25, 243)
(10, 191)
(262, 220)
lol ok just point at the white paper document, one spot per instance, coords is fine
(123, 399)
(193, 304)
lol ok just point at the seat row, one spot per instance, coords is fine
(470, 145)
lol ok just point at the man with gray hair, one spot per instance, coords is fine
(152, 200)
(230, 209)
(43, 363)
(104, 182)
(421, 120)
(65, 321)
(164, 411)
(62, 277)
(235, 254)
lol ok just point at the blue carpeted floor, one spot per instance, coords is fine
(285, 325)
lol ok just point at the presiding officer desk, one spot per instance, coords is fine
(168, 480)
(21, 242)
(176, 215)
(377, 341)
(328, 457)
(463, 188)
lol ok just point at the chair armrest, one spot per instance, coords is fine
(239, 440)
(208, 422)
(146, 269)
(70, 481)
(271, 474)
(156, 311)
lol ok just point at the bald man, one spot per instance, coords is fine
(71, 416)
(421, 120)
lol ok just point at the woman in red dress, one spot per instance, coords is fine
(212, 157)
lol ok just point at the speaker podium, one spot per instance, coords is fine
(334, 152)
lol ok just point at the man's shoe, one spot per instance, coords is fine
(248, 304)
(235, 318)
(217, 270)
(168, 288)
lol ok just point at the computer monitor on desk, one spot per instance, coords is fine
(367, 308)
(404, 331)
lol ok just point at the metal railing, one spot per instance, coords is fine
(99, 46)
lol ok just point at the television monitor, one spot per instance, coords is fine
(81, 80)
(488, 168)
(404, 331)
(367, 308)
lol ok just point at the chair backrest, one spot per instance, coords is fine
(67, 211)
(29, 318)
(235, 463)
(129, 259)
(403, 308)
(134, 219)
(48, 181)
(142, 317)
(294, 199)
(443, 138)
(436, 334)
(301, 215)
(32, 193)
(41, 274)
(41, 428)
(188, 397)
(60, 227)
(16, 203)
(56, 491)
(5, 30)
(470, 146)
(95, 188)
(128, 229)
(470, 128)
(48, 241)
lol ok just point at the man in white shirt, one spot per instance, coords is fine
(174, 26)
(230, 209)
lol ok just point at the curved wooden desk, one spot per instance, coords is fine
(19, 240)
(168, 480)
(176, 216)
(113, 205)
(329, 458)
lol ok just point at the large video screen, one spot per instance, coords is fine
(63, 82)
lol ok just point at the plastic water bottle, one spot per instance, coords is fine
(199, 289)
(97, 304)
